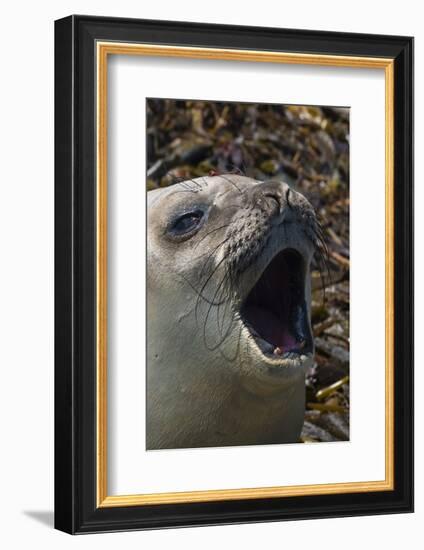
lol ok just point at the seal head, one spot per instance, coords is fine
(229, 336)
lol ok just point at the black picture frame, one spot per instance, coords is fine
(76, 509)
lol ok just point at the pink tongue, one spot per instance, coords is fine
(272, 329)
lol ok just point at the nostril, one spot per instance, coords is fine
(288, 193)
(275, 198)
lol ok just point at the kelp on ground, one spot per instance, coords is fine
(308, 147)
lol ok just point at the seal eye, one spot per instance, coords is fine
(186, 224)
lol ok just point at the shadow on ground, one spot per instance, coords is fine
(46, 517)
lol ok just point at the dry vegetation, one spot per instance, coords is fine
(309, 148)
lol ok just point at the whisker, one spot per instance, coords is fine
(210, 232)
(232, 183)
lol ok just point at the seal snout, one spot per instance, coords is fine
(272, 197)
(268, 236)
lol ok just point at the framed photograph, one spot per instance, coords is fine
(234, 274)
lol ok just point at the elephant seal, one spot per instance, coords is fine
(228, 312)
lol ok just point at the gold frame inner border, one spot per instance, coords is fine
(104, 49)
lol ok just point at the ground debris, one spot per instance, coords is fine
(308, 147)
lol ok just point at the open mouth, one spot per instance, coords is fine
(275, 310)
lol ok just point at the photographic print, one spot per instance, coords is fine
(247, 274)
(233, 274)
